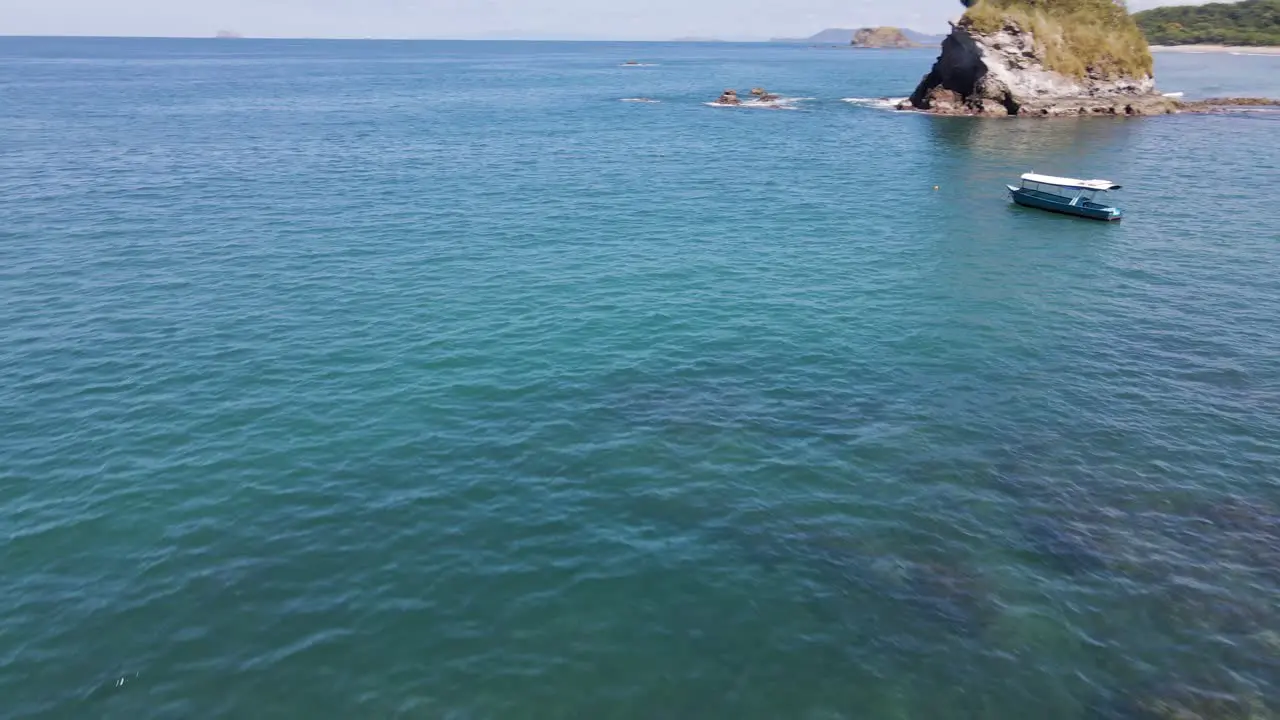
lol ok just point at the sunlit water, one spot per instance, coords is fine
(367, 380)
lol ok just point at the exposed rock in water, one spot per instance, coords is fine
(1005, 72)
(882, 37)
(1226, 104)
(764, 95)
(728, 97)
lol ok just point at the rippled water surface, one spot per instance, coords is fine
(365, 380)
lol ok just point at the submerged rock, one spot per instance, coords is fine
(1007, 71)
(1065, 547)
(1241, 514)
(954, 596)
(1187, 704)
(957, 596)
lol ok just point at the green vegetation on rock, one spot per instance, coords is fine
(1081, 38)
(1252, 22)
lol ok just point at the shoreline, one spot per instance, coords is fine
(1232, 49)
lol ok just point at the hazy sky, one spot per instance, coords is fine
(566, 19)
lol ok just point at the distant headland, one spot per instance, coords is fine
(1249, 23)
(882, 38)
(1210, 48)
(228, 35)
(845, 36)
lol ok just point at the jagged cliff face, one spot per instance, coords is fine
(1004, 73)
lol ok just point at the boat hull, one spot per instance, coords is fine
(1053, 203)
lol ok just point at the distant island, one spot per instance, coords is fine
(844, 36)
(228, 35)
(882, 37)
(1251, 22)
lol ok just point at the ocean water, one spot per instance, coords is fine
(430, 380)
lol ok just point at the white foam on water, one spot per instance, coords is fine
(638, 65)
(782, 103)
(881, 103)
(752, 106)
(1172, 94)
(641, 100)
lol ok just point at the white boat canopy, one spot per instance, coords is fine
(1070, 182)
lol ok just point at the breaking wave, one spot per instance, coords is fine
(882, 103)
(782, 103)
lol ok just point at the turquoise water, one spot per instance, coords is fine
(430, 380)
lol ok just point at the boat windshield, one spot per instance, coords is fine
(1067, 193)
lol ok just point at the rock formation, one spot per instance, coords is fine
(882, 37)
(764, 95)
(1226, 104)
(1007, 71)
(728, 97)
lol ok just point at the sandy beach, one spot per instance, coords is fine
(1238, 49)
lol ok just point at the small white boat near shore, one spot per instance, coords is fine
(1069, 196)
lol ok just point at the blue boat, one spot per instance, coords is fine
(1065, 195)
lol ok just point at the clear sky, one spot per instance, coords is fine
(534, 19)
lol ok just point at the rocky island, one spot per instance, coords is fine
(844, 36)
(1042, 58)
(882, 37)
(728, 97)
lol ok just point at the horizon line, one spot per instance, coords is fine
(691, 38)
(352, 38)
